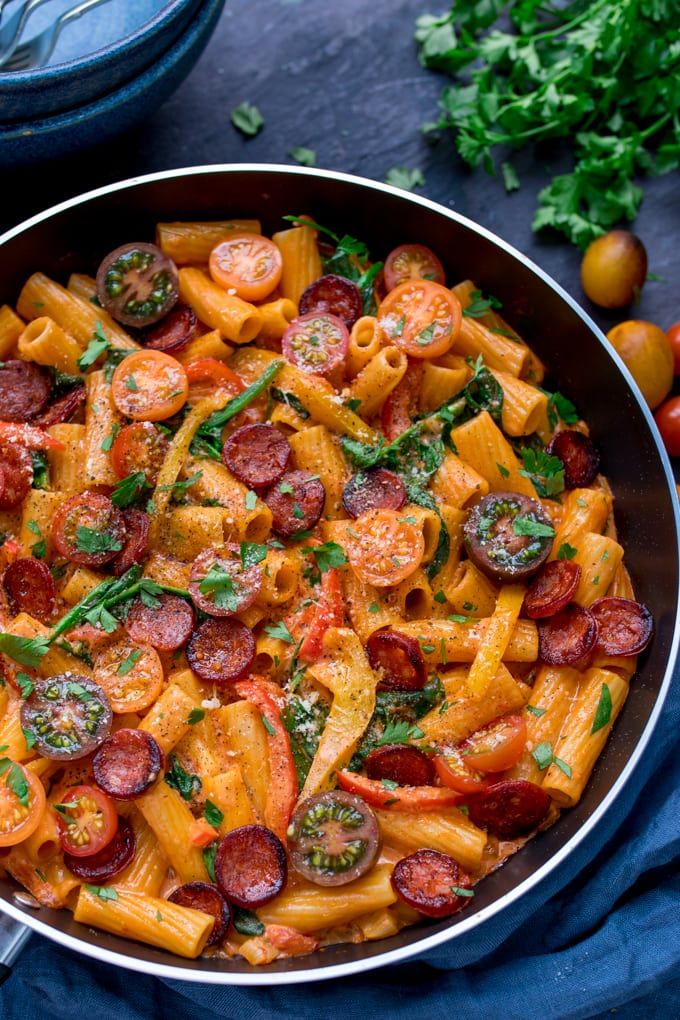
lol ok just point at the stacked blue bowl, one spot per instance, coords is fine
(110, 68)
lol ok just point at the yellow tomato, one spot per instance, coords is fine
(614, 269)
(647, 353)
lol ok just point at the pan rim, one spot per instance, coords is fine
(258, 977)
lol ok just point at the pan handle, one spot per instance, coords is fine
(13, 936)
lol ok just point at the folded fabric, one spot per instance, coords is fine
(601, 932)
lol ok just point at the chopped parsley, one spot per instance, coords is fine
(405, 178)
(279, 632)
(90, 541)
(16, 780)
(102, 892)
(566, 551)
(195, 716)
(532, 529)
(247, 119)
(219, 584)
(603, 712)
(186, 783)
(212, 814)
(97, 346)
(328, 555)
(128, 664)
(128, 489)
(303, 156)
(544, 471)
(479, 305)
(39, 548)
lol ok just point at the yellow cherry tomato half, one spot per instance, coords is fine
(383, 547)
(247, 263)
(648, 354)
(421, 317)
(149, 386)
(130, 674)
(22, 802)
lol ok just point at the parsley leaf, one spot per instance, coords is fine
(90, 541)
(96, 347)
(102, 892)
(328, 555)
(212, 814)
(403, 177)
(280, 632)
(39, 548)
(195, 716)
(247, 119)
(247, 923)
(545, 471)
(128, 664)
(566, 551)
(28, 651)
(532, 529)
(220, 584)
(303, 156)
(25, 684)
(128, 489)
(186, 783)
(252, 553)
(209, 854)
(16, 780)
(479, 305)
(603, 712)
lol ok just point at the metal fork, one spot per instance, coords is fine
(11, 31)
(37, 51)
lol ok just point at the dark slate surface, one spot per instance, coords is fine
(342, 78)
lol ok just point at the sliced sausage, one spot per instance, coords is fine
(136, 546)
(167, 626)
(403, 765)
(509, 808)
(16, 475)
(205, 897)
(579, 455)
(251, 866)
(24, 390)
(398, 659)
(554, 587)
(378, 489)
(127, 764)
(508, 536)
(173, 332)
(624, 627)
(62, 409)
(107, 862)
(334, 294)
(31, 588)
(221, 586)
(258, 455)
(428, 881)
(296, 502)
(221, 650)
(567, 637)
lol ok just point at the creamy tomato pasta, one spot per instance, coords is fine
(313, 608)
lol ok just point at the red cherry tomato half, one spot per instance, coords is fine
(454, 772)
(316, 342)
(149, 386)
(87, 820)
(207, 375)
(667, 419)
(496, 747)
(421, 318)
(673, 334)
(247, 263)
(139, 447)
(412, 262)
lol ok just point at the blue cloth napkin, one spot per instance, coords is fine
(601, 934)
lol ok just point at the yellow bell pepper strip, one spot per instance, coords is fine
(495, 641)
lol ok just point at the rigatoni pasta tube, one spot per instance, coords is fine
(481, 444)
(308, 907)
(315, 449)
(237, 320)
(276, 317)
(599, 558)
(192, 242)
(377, 379)
(498, 351)
(170, 818)
(243, 732)
(38, 511)
(66, 464)
(585, 510)
(524, 406)
(441, 381)
(551, 698)
(157, 922)
(228, 792)
(301, 260)
(460, 642)
(577, 745)
(281, 575)
(457, 483)
(11, 328)
(369, 609)
(462, 713)
(148, 869)
(46, 343)
(365, 340)
(102, 423)
(210, 345)
(470, 592)
(414, 596)
(218, 483)
(447, 830)
(168, 718)
(76, 315)
(191, 529)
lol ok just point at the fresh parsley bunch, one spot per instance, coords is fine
(603, 76)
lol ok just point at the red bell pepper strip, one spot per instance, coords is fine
(283, 786)
(327, 612)
(29, 436)
(399, 798)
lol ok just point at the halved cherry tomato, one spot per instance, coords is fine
(130, 674)
(398, 798)
(316, 343)
(421, 318)
(137, 284)
(88, 529)
(673, 334)
(207, 375)
(149, 386)
(667, 418)
(384, 548)
(454, 772)
(248, 263)
(326, 612)
(412, 262)
(139, 447)
(87, 820)
(497, 746)
(30, 436)
(22, 802)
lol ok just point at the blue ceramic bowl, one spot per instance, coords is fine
(94, 55)
(89, 125)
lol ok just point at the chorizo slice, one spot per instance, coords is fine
(624, 627)
(432, 883)
(567, 637)
(509, 808)
(251, 866)
(127, 763)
